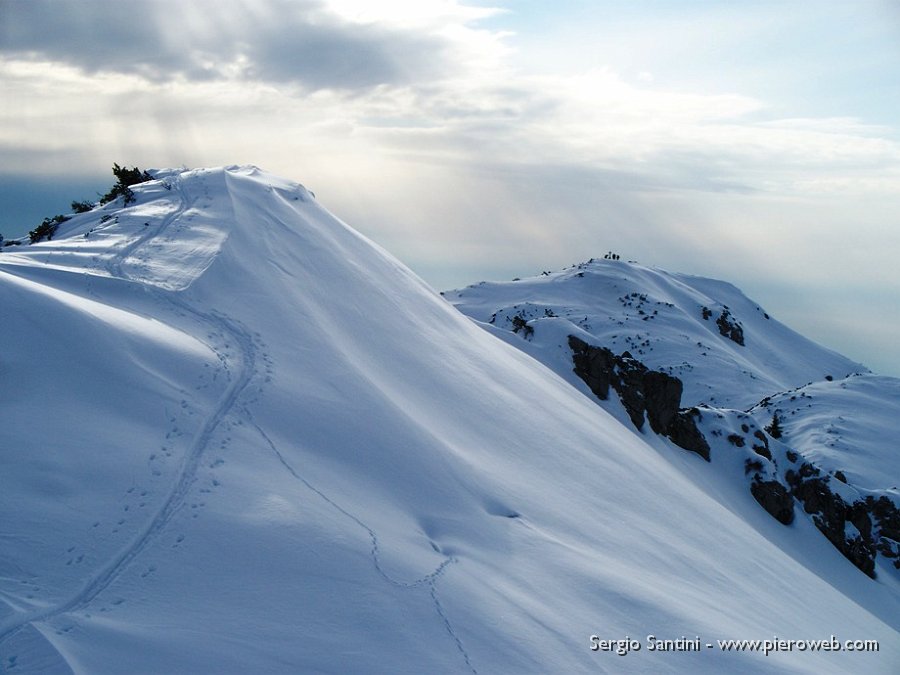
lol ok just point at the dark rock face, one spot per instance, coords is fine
(594, 365)
(684, 432)
(656, 395)
(641, 391)
(831, 514)
(730, 328)
(754, 465)
(886, 517)
(762, 450)
(774, 498)
(662, 397)
(519, 324)
(628, 381)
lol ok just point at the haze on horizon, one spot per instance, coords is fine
(755, 142)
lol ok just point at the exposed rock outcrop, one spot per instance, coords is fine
(762, 450)
(730, 328)
(662, 397)
(859, 530)
(641, 390)
(684, 432)
(831, 514)
(774, 498)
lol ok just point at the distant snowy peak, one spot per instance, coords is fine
(725, 347)
(698, 363)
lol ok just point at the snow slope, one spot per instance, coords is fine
(239, 437)
(848, 425)
(840, 429)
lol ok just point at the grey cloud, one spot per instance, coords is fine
(293, 42)
(325, 53)
(94, 36)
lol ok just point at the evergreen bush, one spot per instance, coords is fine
(46, 229)
(125, 179)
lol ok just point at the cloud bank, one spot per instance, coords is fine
(300, 43)
(429, 126)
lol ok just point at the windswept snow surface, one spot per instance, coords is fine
(239, 437)
(850, 425)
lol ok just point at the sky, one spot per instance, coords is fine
(755, 141)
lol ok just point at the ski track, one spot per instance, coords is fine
(108, 573)
(429, 580)
(247, 348)
(114, 265)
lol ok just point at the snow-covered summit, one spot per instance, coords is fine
(725, 347)
(240, 437)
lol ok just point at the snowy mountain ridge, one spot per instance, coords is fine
(729, 351)
(713, 372)
(240, 437)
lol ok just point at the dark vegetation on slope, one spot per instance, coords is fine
(125, 178)
(47, 228)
